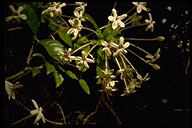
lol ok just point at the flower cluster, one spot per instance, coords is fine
(112, 45)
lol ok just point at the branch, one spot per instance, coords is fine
(87, 118)
(64, 119)
(110, 108)
(21, 73)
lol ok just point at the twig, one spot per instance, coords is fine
(110, 108)
(29, 116)
(87, 118)
(64, 119)
(29, 56)
(21, 73)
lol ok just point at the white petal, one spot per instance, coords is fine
(71, 21)
(9, 18)
(12, 8)
(75, 32)
(19, 10)
(147, 21)
(122, 16)
(86, 64)
(104, 43)
(116, 53)
(76, 13)
(37, 118)
(120, 23)
(90, 60)
(114, 24)
(78, 8)
(139, 9)
(121, 40)
(35, 103)
(42, 117)
(111, 18)
(13, 95)
(70, 31)
(135, 3)
(51, 14)
(62, 5)
(150, 17)
(22, 16)
(144, 8)
(149, 56)
(114, 12)
(34, 112)
(126, 45)
(114, 45)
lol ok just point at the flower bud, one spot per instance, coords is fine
(155, 66)
(160, 38)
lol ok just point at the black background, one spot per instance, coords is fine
(169, 82)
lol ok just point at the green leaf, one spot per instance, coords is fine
(49, 67)
(58, 78)
(32, 18)
(55, 23)
(35, 71)
(115, 32)
(71, 74)
(82, 40)
(66, 38)
(53, 47)
(84, 85)
(107, 31)
(91, 20)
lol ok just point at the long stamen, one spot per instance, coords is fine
(140, 48)
(159, 38)
(89, 29)
(129, 18)
(91, 49)
(80, 48)
(134, 26)
(29, 116)
(118, 63)
(63, 21)
(131, 10)
(137, 55)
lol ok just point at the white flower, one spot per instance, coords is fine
(81, 6)
(111, 86)
(9, 88)
(107, 47)
(121, 47)
(127, 71)
(16, 14)
(117, 19)
(107, 74)
(140, 6)
(76, 27)
(150, 22)
(55, 9)
(153, 57)
(79, 15)
(145, 78)
(37, 112)
(83, 60)
(67, 55)
(131, 88)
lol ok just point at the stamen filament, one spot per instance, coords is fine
(134, 26)
(63, 21)
(140, 49)
(80, 48)
(89, 29)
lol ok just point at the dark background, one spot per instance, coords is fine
(143, 108)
